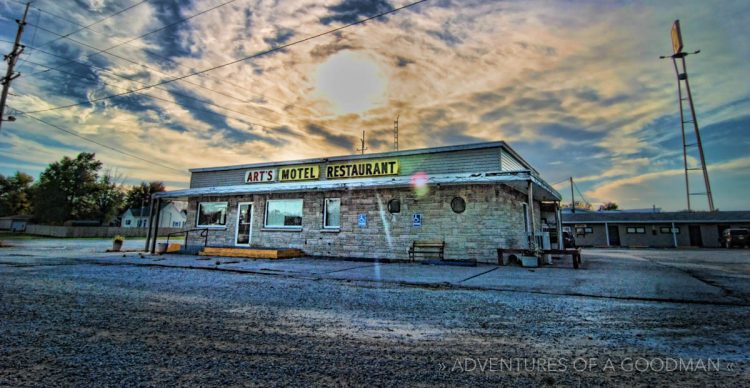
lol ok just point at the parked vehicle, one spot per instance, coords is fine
(568, 239)
(735, 238)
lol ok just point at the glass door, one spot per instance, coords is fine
(244, 223)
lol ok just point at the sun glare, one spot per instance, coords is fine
(351, 81)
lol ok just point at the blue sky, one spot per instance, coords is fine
(575, 87)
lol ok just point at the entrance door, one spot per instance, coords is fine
(696, 239)
(244, 228)
(614, 235)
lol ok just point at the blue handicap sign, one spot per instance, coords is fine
(362, 220)
(416, 219)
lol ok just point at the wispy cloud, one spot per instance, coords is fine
(576, 87)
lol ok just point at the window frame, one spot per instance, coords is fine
(286, 227)
(635, 230)
(216, 226)
(325, 213)
(394, 202)
(463, 203)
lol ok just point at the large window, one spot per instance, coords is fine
(284, 213)
(212, 214)
(332, 213)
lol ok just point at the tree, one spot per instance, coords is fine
(609, 206)
(579, 205)
(16, 194)
(140, 195)
(108, 198)
(71, 190)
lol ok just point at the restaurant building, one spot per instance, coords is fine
(475, 198)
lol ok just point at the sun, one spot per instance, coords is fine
(351, 81)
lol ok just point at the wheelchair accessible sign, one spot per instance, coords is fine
(416, 219)
(362, 220)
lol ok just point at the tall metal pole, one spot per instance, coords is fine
(699, 143)
(363, 143)
(682, 76)
(395, 133)
(11, 59)
(682, 127)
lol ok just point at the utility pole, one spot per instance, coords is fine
(11, 59)
(395, 133)
(572, 196)
(678, 56)
(363, 143)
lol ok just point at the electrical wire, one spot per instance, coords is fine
(76, 134)
(149, 51)
(253, 56)
(139, 64)
(170, 101)
(94, 23)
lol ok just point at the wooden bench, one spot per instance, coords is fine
(427, 248)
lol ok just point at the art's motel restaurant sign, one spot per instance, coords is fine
(353, 169)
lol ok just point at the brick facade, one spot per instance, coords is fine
(493, 218)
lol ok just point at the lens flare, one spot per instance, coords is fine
(419, 184)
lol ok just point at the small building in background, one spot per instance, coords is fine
(172, 216)
(652, 228)
(14, 223)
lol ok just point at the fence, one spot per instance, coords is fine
(91, 231)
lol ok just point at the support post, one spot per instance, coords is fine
(674, 235)
(606, 232)
(532, 243)
(150, 218)
(156, 225)
(572, 197)
(560, 239)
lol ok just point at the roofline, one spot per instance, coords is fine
(361, 183)
(417, 151)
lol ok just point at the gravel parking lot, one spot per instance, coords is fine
(79, 317)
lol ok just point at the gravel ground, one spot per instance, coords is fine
(88, 324)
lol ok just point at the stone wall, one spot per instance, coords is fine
(493, 219)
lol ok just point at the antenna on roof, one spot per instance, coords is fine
(363, 149)
(395, 133)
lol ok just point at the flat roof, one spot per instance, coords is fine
(418, 151)
(657, 217)
(516, 179)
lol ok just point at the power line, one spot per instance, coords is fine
(581, 194)
(149, 51)
(92, 24)
(170, 101)
(256, 55)
(49, 68)
(76, 134)
(137, 63)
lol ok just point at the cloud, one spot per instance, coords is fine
(578, 91)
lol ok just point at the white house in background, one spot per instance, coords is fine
(171, 217)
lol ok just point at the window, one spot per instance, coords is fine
(284, 213)
(589, 230)
(458, 205)
(127, 222)
(394, 206)
(212, 214)
(635, 230)
(332, 213)
(584, 230)
(668, 230)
